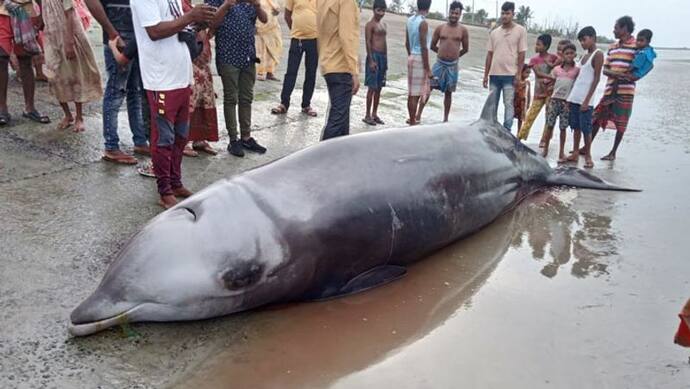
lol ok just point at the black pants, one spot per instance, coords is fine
(311, 63)
(340, 95)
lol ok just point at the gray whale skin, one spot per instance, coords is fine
(336, 218)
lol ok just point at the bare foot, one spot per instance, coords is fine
(65, 123)
(589, 164)
(545, 153)
(542, 144)
(79, 126)
(610, 157)
(562, 158)
(573, 157)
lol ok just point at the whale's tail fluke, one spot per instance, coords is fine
(578, 178)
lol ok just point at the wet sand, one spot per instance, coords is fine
(575, 288)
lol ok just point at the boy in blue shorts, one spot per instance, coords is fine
(377, 62)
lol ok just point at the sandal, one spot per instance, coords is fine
(309, 111)
(36, 117)
(369, 121)
(205, 148)
(146, 170)
(279, 110)
(189, 152)
(378, 120)
(119, 157)
(5, 118)
(271, 77)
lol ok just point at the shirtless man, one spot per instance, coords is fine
(450, 42)
(377, 62)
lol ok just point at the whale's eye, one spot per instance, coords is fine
(242, 275)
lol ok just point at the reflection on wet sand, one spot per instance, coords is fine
(548, 222)
(314, 344)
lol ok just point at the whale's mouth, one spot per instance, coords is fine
(88, 328)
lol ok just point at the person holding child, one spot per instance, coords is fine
(616, 106)
(69, 61)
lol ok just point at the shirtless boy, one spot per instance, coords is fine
(377, 62)
(450, 42)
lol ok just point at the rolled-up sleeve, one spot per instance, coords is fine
(348, 33)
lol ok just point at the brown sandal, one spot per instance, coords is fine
(189, 152)
(119, 157)
(205, 148)
(309, 111)
(279, 110)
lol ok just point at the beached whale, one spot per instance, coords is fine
(333, 219)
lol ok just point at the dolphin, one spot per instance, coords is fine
(339, 217)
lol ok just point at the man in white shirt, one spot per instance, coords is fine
(166, 71)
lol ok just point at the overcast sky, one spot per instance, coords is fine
(664, 17)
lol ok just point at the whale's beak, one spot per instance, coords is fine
(99, 312)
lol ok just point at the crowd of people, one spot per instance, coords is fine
(566, 86)
(171, 103)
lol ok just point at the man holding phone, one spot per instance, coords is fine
(166, 71)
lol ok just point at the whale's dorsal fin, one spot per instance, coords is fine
(490, 108)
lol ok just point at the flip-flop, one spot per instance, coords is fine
(36, 117)
(146, 170)
(378, 120)
(369, 121)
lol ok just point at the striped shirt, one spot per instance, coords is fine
(619, 60)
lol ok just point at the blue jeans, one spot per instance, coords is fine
(340, 96)
(504, 84)
(123, 82)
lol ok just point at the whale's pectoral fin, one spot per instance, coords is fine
(578, 178)
(371, 278)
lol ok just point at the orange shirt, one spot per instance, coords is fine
(338, 31)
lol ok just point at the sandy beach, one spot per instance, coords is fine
(575, 288)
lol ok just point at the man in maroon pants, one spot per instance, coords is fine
(166, 71)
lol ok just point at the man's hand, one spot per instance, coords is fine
(485, 83)
(585, 106)
(202, 13)
(516, 81)
(119, 43)
(373, 65)
(355, 84)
